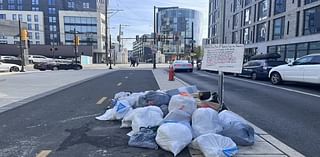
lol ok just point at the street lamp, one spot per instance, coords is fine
(119, 40)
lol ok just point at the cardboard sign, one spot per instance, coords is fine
(223, 57)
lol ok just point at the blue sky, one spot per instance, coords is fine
(138, 14)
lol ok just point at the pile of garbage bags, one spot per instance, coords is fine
(178, 118)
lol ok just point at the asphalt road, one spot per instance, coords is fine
(64, 123)
(290, 112)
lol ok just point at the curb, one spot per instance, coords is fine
(38, 96)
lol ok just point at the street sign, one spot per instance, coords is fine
(223, 57)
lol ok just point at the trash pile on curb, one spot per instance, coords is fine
(174, 119)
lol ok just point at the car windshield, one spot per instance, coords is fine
(181, 61)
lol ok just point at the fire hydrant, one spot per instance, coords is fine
(171, 73)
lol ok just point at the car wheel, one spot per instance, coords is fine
(254, 76)
(275, 78)
(14, 69)
(77, 68)
(55, 68)
(191, 70)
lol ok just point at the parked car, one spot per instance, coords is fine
(9, 67)
(306, 69)
(259, 69)
(9, 58)
(182, 65)
(52, 65)
(39, 59)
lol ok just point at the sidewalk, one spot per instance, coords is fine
(265, 145)
(20, 88)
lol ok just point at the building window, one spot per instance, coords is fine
(37, 35)
(51, 2)
(70, 4)
(262, 32)
(14, 17)
(279, 7)
(29, 18)
(235, 38)
(1, 1)
(290, 53)
(236, 21)
(52, 10)
(36, 18)
(246, 36)
(11, 1)
(35, 2)
(309, 1)
(311, 21)
(247, 2)
(30, 36)
(86, 5)
(11, 7)
(29, 26)
(2, 16)
(35, 8)
(53, 28)
(20, 17)
(302, 50)
(36, 27)
(247, 16)
(237, 4)
(19, 7)
(278, 28)
(314, 47)
(37, 42)
(263, 10)
(19, 1)
(52, 19)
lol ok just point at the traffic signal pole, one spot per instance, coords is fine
(154, 36)
(21, 50)
(75, 45)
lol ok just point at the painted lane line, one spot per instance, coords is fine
(44, 153)
(273, 86)
(267, 85)
(119, 84)
(126, 77)
(102, 100)
(80, 117)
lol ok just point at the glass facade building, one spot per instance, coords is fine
(177, 23)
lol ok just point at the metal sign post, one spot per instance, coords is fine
(221, 88)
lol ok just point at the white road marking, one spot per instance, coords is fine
(44, 153)
(119, 84)
(126, 77)
(273, 86)
(80, 117)
(101, 100)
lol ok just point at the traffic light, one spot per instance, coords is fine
(24, 34)
(29, 44)
(118, 38)
(137, 37)
(77, 40)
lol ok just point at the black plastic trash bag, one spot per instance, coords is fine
(242, 134)
(145, 138)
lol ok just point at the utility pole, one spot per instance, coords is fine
(154, 36)
(110, 67)
(119, 40)
(21, 50)
(75, 45)
(106, 39)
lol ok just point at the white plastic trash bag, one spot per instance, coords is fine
(121, 95)
(205, 120)
(173, 137)
(126, 122)
(188, 89)
(226, 117)
(145, 117)
(178, 116)
(121, 108)
(185, 103)
(108, 115)
(133, 99)
(214, 145)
